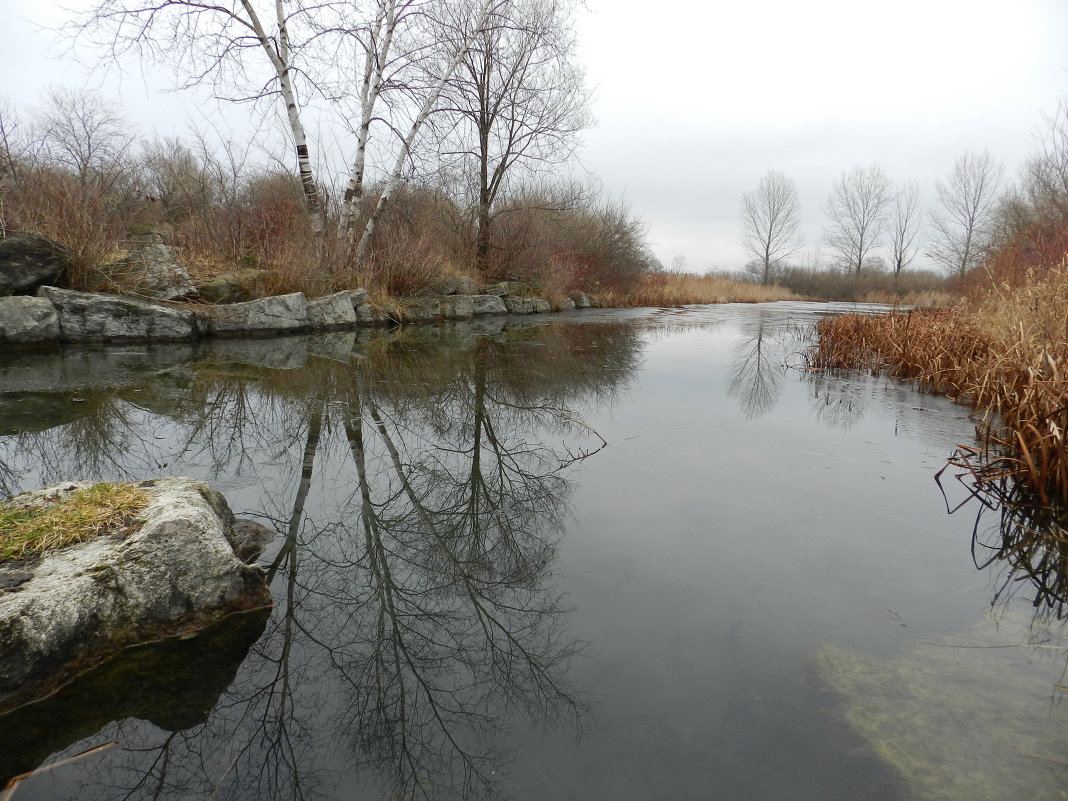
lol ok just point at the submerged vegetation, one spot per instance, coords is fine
(37, 525)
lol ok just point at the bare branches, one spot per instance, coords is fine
(771, 222)
(857, 209)
(963, 227)
(906, 219)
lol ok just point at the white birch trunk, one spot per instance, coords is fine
(363, 251)
(280, 60)
(375, 59)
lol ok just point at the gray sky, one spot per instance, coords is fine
(696, 99)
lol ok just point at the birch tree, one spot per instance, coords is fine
(243, 50)
(857, 212)
(906, 219)
(771, 223)
(963, 226)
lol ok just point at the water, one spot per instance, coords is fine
(627, 555)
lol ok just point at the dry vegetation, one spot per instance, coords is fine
(91, 512)
(679, 289)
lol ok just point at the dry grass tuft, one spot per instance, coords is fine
(680, 289)
(91, 512)
(1006, 354)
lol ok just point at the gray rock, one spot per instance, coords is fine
(29, 261)
(96, 317)
(539, 306)
(249, 539)
(27, 321)
(84, 602)
(366, 314)
(359, 296)
(567, 305)
(519, 305)
(456, 285)
(421, 310)
(237, 287)
(152, 270)
(505, 288)
(276, 314)
(457, 307)
(483, 305)
(332, 312)
(580, 299)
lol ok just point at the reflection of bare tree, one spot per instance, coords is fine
(837, 403)
(1015, 534)
(417, 617)
(756, 371)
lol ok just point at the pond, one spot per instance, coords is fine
(632, 555)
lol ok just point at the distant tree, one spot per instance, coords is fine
(771, 223)
(963, 226)
(678, 263)
(857, 212)
(906, 218)
(85, 134)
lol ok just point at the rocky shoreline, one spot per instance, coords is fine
(61, 316)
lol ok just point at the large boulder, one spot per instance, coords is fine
(332, 312)
(96, 317)
(151, 269)
(276, 314)
(580, 299)
(236, 287)
(540, 306)
(456, 285)
(457, 307)
(72, 608)
(519, 305)
(483, 305)
(27, 321)
(421, 310)
(505, 288)
(29, 261)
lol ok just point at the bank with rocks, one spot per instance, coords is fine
(170, 307)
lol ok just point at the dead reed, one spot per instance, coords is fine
(680, 289)
(1006, 355)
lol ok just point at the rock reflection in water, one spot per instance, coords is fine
(418, 617)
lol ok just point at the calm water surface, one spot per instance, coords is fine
(629, 555)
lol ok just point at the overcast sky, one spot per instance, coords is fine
(696, 99)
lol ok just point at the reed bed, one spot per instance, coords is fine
(1005, 354)
(681, 289)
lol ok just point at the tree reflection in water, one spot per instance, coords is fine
(418, 616)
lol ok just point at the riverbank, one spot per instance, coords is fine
(1005, 353)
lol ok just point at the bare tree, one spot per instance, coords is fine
(856, 209)
(520, 101)
(85, 134)
(962, 229)
(771, 223)
(906, 219)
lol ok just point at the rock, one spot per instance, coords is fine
(366, 314)
(276, 314)
(151, 269)
(567, 305)
(457, 307)
(27, 321)
(483, 305)
(29, 261)
(87, 601)
(456, 285)
(519, 305)
(505, 288)
(539, 306)
(421, 310)
(358, 296)
(580, 299)
(237, 287)
(96, 317)
(332, 312)
(248, 539)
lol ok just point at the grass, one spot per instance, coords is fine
(1005, 353)
(680, 289)
(87, 513)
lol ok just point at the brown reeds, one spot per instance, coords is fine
(681, 289)
(1006, 355)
